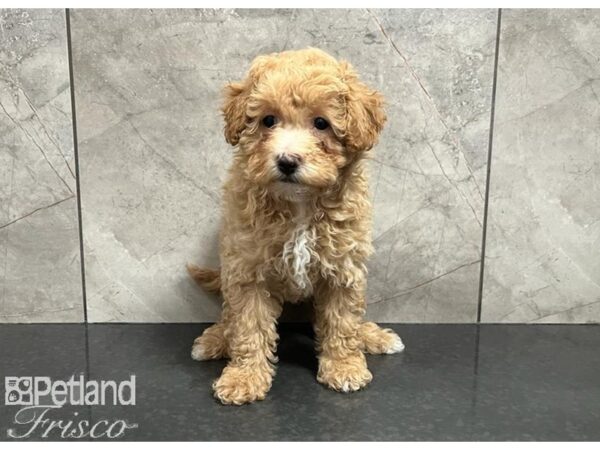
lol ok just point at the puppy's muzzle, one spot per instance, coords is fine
(288, 166)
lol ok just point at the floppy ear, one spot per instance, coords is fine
(365, 116)
(234, 111)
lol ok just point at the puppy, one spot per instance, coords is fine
(296, 222)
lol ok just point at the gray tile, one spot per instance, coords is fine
(426, 393)
(538, 383)
(57, 351)
(430, 172)
(39, 245)
(153, 157)
(544, 234)
(42, 278)
(454, 382)
(450, 54)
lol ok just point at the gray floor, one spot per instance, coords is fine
(454, 382)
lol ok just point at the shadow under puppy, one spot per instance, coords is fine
(296, 222)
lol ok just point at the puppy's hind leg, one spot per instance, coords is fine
(376, 340)
(212, 344)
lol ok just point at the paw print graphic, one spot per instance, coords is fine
(18, 391)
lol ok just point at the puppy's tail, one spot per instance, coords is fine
(208, 279)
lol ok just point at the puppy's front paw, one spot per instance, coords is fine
(237, 385)
(344, 375)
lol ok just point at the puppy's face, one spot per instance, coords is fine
(298, 119)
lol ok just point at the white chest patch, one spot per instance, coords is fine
(297, 255)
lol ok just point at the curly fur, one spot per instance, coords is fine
(283, 241)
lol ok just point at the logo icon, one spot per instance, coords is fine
(18, 391)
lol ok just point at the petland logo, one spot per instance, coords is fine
(38, 396)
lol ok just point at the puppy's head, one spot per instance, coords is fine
(298, 119)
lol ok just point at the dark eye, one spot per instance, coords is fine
(269, 121)
(321, 124)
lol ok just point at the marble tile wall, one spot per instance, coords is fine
(543, 240)
(152, 155)
(152, 158)
(428, 173)
(40, 278)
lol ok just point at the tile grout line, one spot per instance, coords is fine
(88, 374)
(79, 212)
(489, 166)
(475, 384)
(77, 174)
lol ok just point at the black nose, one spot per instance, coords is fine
(287, 165)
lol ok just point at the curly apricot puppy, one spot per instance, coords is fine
(296, 222)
